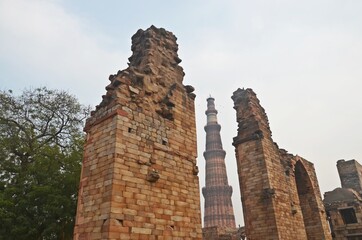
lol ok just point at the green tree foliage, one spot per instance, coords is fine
(41, 144)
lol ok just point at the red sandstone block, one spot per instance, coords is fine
(117, 210)
(166, 217)
(142, 203)
(128, 223)
(129, 211)
(141, 230)
(158, 210)
(132, 189)
(124, 236)
(144, 237)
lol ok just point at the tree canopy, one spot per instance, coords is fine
(41, 147)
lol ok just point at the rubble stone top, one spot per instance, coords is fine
(152, 75)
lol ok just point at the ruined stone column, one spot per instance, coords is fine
(217, 192)
(350, 174)
(279, 191)
(139, 175)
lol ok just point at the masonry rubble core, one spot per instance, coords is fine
(139, 175)
(279, 191)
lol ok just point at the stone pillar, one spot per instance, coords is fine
(217, 192)
(139, 175)
(279, 191)
(350, 174)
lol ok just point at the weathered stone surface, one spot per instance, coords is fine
(138, 179)
(279, 191)
(350, 174)
(344, 205)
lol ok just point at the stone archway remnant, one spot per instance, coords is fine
(279, 191)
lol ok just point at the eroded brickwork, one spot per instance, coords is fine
(139, 176)
(279, 191)
(344, 205)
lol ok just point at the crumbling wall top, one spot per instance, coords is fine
(154, 46)
(151, 77)
(251, 116)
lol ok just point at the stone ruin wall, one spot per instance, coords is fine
(350, 174)
(344, 204)
(139, 176)
(280, 193)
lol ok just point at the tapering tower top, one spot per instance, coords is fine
(217, 193)
(211, 112)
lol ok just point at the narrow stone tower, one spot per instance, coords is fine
(217, 192)
(279, 191)
(350, 174)
(139, 175)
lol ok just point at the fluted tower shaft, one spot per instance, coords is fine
(217, 193)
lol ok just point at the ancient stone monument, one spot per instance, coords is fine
(344, 205)
(139, 175)
(280, 193)
(219, 220)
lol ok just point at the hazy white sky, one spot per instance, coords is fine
(302, 58)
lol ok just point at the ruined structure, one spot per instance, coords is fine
(279, 191)
(219, 214)
(344, 205)
(139, 175)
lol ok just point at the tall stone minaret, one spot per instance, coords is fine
(217, 192)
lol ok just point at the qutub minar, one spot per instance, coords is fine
(217, 192)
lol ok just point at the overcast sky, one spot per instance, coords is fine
(302, 58)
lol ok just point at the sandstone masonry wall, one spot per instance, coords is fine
(279, 191)
(139, 175)
(344, 205)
